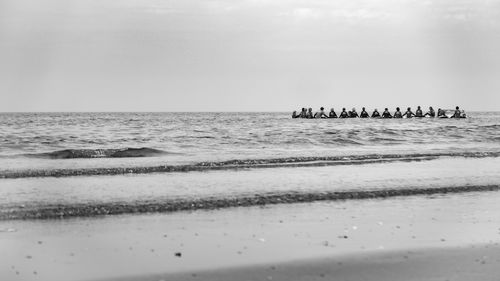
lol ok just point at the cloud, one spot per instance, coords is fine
(307, 13)
(344, 15)
(360, 14)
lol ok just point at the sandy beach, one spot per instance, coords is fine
(467, 263)
(438, 237)
(222, 140)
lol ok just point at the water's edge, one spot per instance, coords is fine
(165, 205)
(245, 164)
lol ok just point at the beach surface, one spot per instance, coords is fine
(460, 264)
(436, 237)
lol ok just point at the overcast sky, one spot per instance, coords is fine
(249, 55)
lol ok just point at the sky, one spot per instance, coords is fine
(248, 55)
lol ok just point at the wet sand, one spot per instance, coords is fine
(164, 205)
(429, 237)
(459, 264)
(89, 196)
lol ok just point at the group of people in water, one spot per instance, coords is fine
(308, 113)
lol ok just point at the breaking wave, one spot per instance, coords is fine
(99, 153)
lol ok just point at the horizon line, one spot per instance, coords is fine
(222, 111)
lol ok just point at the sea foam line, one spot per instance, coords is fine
(99, 153)
(62, 211)
(245, 164)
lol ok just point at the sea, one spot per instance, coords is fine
(64, 165)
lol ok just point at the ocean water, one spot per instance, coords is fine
(80, 164)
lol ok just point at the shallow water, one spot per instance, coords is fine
(58, 197)
(87, 161)
(183, 138)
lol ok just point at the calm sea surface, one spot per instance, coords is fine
(66, 159)
(195, 137)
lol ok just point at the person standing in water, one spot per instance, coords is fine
(303, 113)
(418, 112)
(375, 114)
(409, 113)
(343, 114)
(321, 113)
(386, 113)
(353, 113)
(457, 113)
(398, 113)
(364, 114)
(332, 114)
(309, 113)
(431, 112)
(442, 113)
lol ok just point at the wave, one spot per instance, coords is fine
(99, 153)
(385, 139)
(246, 163)
(490, 126)
(345, 141)
(174, 205)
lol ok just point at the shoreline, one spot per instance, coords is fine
(244, 242)
(474, 262)
(234, 165)
(167, 205)
(98, 196)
